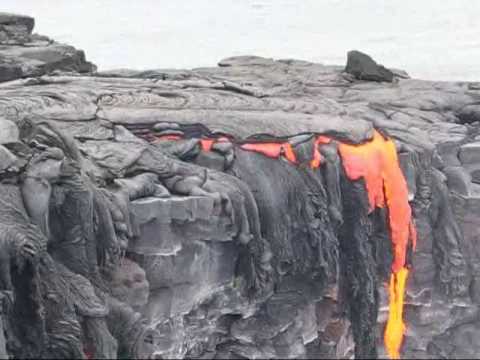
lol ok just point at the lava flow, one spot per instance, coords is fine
(272, 150)
(395, 326)
(317, 157)
(376, 161)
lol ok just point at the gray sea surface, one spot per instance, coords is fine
(438, 40)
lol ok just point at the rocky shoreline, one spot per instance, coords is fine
(205, 250)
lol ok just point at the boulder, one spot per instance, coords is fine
(15, 29)
(7, 19)
(363, 67)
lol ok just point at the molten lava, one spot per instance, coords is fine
(317, 157)
(377, 163)
(168, 137)
(395, 327)
(273, 150)
(207, 144)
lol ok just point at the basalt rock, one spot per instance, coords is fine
(208, 213)
(15, 29)
(363, 67)
(23, 54)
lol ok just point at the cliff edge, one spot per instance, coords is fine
(211, 213)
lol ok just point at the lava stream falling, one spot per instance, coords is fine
(395, 327)
(377, 163)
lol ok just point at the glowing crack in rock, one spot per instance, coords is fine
(273, 150)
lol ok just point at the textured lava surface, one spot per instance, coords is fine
(259, 209)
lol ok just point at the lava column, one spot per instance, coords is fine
(377, 163)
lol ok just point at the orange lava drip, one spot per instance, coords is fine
(272, 150)
(377, 162)
(317, 157)
(168, 137)
(207, 144)
(395, 328)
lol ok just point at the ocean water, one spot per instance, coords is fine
(430, 39)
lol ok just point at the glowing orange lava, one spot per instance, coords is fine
(168, 137)
(273, 150)
(395, 327)
(377, 163)
(207, 144)
(317, 157)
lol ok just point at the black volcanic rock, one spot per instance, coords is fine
(469, 114)
(117, 243)
(25, 55)
(10, 72)
(15, 29)
(27, 22)
(363, 67)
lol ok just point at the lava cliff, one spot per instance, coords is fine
(260, 209)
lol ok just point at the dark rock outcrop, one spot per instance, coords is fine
(363, 67)
(134, 222)
(15, 29)
(23, 54)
